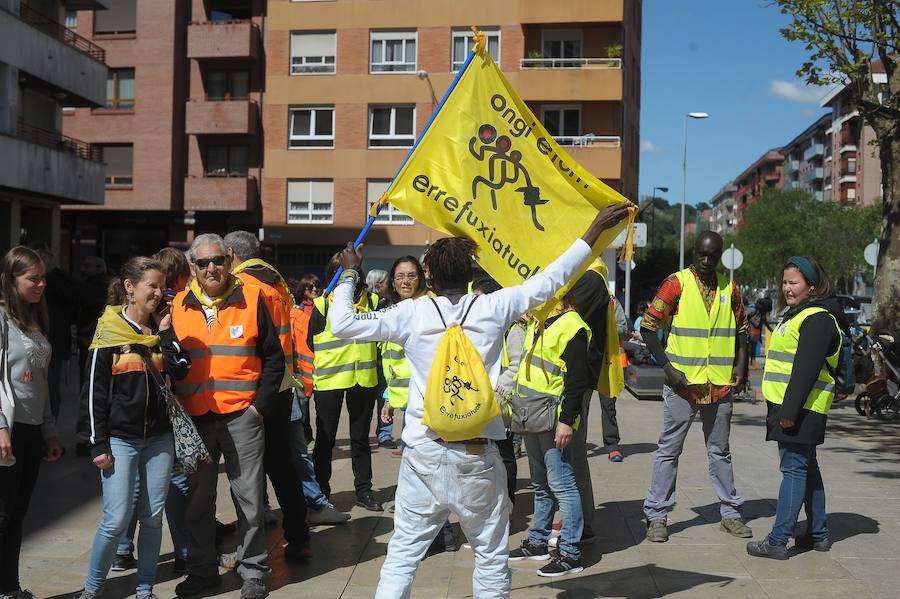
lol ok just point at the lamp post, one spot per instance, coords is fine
(653, 214)
(690, 115)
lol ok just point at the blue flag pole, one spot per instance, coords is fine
(371, 220)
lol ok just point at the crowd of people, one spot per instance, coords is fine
(215, 348)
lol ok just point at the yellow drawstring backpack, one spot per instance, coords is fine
(459, 397)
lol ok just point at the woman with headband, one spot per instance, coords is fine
(799, 384)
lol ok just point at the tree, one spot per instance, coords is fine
(845, 38)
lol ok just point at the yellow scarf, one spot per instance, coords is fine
(259, 262)
(197, 290)
(114, 331)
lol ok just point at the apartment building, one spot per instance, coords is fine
(852, 167)
(723, 212)
(807, 159)
(179, 124)
(44, 65)
(763, 174)
(351, 83)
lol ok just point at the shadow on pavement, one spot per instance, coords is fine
(709, 513)
(626, 448)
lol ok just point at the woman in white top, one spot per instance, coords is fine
(26, 422)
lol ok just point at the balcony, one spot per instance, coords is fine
(600, 155)
(47, 162)
(814, 174)
(216, 194)
(69, 64)
(568, 84)
(813, 151)
(848, 148)
(221, 117)
(847, 178)
(223, 39)
(570, 63)
(791, 166)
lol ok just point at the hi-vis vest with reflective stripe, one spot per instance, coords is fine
(780, 363)
(225, 366)
(279, 303)
(396, 373)
(344, 363)
(701, 344)
(549, 381)
(302, 354)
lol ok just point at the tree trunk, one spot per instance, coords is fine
(886, 301)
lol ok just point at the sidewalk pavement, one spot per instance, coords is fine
(860, 464)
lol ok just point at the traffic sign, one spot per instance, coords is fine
(622, 265)
(732, 258)
(640, 236)
(871, 253)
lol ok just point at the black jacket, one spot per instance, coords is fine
(591, 298)
(818, 339)
(120, 399)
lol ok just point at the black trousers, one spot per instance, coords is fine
(360, 405)
(16, 485)
(281, 471)
(508, 455)
(609, 422)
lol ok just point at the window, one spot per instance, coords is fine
(120, 89)
(392, 126)
(562, 43)
(310, 201)
(393, 51)
(227, 85)
(119, 17)
(562, 122)
(463, 41)
(389, 215)
(229, 10)
(311, 127)
(312, 53)
(226, 161)
(118, 163)
(71, 20)
(851, 166)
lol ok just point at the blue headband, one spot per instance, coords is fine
(805, 267)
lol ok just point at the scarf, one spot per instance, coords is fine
(197, 290)
(114, 331)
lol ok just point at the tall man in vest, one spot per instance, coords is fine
(704, 358)
(243, 248)
(343, 368)
(236, 371)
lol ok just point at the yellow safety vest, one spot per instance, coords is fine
(344, 363)
(396, 373)
(546, 376)
(701, 343)
(780, 363)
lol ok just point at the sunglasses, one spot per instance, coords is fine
(205, 262)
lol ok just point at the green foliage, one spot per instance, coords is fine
(783, 223)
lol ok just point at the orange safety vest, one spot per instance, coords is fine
(279, 302)
(299, 330)
(225, 365)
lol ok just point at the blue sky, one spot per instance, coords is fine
(727, 58)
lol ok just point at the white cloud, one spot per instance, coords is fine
(649, 146)
(797, 91)
(808, 112)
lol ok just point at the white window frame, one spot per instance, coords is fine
(305, 216)
(468, 42)
(562, 35)
(312, 125)
(295, 69)
(392, 135)
(560, 108)
(389, 215)
(405, 35)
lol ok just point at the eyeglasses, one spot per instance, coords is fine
(407, 277)
(313, 286)
(205, 262)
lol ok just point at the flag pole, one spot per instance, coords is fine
(378, 207)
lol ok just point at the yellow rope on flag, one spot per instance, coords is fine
(382, 201)
(627, 251)
(480, 41)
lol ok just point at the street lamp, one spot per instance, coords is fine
(690, 115)
(653, 214)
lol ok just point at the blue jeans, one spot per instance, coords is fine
(382, 429)
(553, 480)
(176, 506)
(801, 485)
(315, 498)
(147, 463)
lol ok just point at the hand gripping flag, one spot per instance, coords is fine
(486, 169)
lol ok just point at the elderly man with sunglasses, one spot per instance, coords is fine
(237, 366)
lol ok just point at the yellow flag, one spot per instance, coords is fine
(486, 169)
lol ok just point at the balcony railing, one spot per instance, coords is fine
(54, 139)
(570, 63)
(587, 140)
(58, 31)
(813, 151)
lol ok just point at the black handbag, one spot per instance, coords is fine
(190, 450)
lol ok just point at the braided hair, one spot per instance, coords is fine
(449, 263)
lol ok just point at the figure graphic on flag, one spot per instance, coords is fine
(504, 166)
